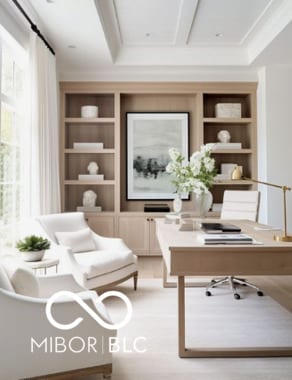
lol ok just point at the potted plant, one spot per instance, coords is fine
(33, 247)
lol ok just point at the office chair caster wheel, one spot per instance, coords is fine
(208, 294)
(236, 296)
(260, 293)
(213, 281)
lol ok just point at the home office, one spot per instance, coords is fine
(112, 116)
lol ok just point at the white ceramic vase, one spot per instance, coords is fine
(202, 203)
(177, 204)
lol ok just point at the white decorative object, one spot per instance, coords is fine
(89, 198)
(224, 136)
(89, 111)
(232, 110)
(92, 168)
(87, 145)
(90, 177)
(202, 203)
(177, 203)
(228, 169)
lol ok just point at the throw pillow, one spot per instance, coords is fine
(21, 276)
(78, 241)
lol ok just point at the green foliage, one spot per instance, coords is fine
(32, 243)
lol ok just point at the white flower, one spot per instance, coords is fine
(170, 168)
(207, 148)
(174, 154)
(209, 163)
(196, 156)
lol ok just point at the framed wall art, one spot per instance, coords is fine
(149, 137)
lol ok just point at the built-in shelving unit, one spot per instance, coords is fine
(119, 216)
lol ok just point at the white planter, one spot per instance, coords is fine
(202, 203)
(32, 255)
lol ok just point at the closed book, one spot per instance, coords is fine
(226, 239)
(227, 146)
(89, 209)
(90, 177)
(211, 228)
(88, 145)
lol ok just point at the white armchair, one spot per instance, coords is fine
(24, 321)
(96, 262)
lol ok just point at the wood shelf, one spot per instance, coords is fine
(232, 151)
(89, 151)
(81, 120)
(98, 183)
(218, 120)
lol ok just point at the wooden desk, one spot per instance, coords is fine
(184, 255)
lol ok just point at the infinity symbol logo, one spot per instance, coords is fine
(96, 317)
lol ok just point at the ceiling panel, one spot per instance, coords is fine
(231, 19)
(151, 22)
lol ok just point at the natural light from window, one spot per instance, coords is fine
(12, 122)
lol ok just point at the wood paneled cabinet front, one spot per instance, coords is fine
(102, 225)
(138, 232)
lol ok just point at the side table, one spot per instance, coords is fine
(44, 264)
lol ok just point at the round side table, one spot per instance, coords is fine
(44, 264)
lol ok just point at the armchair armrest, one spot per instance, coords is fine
(110, 243)
(54, 283)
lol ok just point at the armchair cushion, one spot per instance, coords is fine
(4, 281)
(78, 241)
(21, 276)
(98, 263)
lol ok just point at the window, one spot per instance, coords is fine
(11, 126)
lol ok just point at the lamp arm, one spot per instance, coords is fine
(284, 188)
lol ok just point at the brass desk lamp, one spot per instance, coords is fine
(285, 189)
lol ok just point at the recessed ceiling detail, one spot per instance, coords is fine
(161, 34)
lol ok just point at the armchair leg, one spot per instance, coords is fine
(135, 280)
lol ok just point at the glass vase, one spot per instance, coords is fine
(177, 203)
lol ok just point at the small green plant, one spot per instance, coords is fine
(33, 243)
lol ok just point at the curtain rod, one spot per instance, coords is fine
(33, 26)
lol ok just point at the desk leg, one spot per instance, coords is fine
(208, 352)
(181, 317)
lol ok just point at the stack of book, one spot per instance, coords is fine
(231, 238)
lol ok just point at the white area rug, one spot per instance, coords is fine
(211, 321)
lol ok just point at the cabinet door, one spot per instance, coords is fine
(134, 230)
(154, 244)
(102, 225)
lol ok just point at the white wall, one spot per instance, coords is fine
(275, 140)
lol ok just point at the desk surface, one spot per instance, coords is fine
(185, 254)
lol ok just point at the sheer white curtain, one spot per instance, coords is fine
(41, 140)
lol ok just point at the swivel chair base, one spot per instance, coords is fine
(232, 281)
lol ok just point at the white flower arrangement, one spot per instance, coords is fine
(196, 175)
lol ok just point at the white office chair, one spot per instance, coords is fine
(237, 205)
(95, 261)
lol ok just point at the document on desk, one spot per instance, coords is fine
(226, 239)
